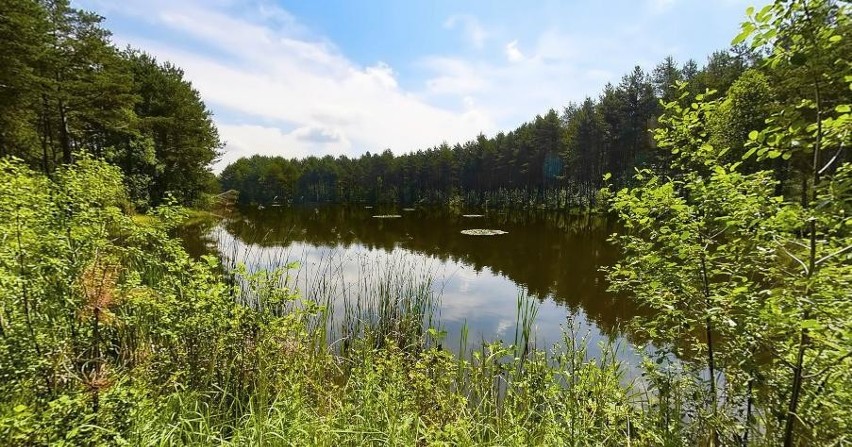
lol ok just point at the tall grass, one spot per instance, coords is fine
(524, 320)
(362, 363)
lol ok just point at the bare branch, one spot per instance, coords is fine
(833, 159)
(827, 257)
(828, 368)
(791, 255)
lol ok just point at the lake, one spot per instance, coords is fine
(553, 258)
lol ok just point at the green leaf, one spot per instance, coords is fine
(741, 37)
(811, 324)
(763, 15)
(843, 108)
(20, 408)
(753, 135)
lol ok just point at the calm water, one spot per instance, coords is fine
(553, 257)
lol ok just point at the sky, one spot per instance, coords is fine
(316, 77)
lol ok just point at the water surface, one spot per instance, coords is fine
(553, 257)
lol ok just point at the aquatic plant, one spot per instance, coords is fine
(483, 232)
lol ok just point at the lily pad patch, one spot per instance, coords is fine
(483, 232)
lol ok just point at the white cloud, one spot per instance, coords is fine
(555, 68)
(472, 29)
(513, 54)
(255, 68)
(243, 140)
(660, 6)
(278, 88)
(455, 76)
(514, 89)
(321, 135)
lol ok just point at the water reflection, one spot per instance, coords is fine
(554, 257)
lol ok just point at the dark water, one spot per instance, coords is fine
(553, 257)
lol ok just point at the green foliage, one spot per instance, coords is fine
(729, 262)
(177, 125)
(66, 87)
(99, 312)
(745, 109)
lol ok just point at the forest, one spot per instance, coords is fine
(66, 88)
(730, 186)
(556, 160)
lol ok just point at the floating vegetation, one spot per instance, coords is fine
(482, 232)
(473, 215)
(387, 216)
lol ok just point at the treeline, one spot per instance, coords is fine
(65, 88)
(556, 160)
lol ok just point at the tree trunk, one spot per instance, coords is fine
(64, 138)
(790, 423)
(808, 197)
(711, 361)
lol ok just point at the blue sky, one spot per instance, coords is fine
(296, 78)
